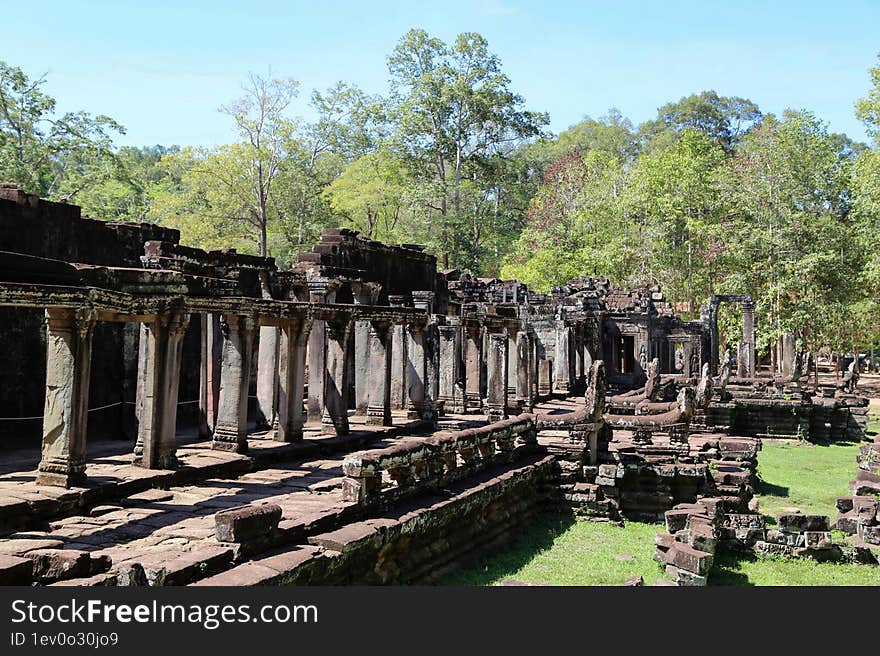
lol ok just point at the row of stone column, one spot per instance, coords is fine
(408, 366)
(504, 357)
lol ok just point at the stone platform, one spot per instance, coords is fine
(132, 526)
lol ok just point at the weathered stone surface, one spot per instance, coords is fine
(797, 523)
(687, 558)
(59, 564)
(15, 570)
(247, 522)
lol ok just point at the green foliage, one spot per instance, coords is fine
(46, 154)
(458, 123)
(711, 196)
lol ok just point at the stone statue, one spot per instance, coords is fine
(850, 378)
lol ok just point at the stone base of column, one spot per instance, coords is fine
(473, 403)
(415, 411)
(61, 474)
(454, 404)
(226, 439)
(378, 416)
(330, 427)
(167, 461)
(496, 413)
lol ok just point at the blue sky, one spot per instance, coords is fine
(163, 68)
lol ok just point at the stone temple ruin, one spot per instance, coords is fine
(172, 416)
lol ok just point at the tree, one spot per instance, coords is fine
(52, 156)
(792, 240)
(371, 195)
(455, 114)
(261, 118)
(675, 189)
(723, 119)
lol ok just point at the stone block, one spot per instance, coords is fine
(15, 570)
(59, 564)
(246, 522)
(799, 523)
(686, 557)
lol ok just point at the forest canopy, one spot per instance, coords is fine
(713, 195)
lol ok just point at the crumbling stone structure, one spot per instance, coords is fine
(358, 417)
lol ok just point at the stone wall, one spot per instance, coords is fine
(58, 231)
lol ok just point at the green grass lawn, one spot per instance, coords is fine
(805, 476)
(557, 550)
(730, 569)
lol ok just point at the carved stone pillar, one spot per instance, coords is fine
(334, 418)
(523, 366)
(579, 369)
(68, 363)
(364, 294)
(230, 432)
(424, 300)
(496, 377)
(380, 347)
(156, 446)
(562, 362)
(545, 377)
(209, 375)
(512, 353)
(746, 368)
(398, 359)
(292, 371)
(451, 391)
(415, 371)
(267, 376)
(473, 366)
(321, 290)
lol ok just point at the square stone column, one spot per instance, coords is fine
(292, 374)
(415, 371)
(523, 358)
(321, 290)
(398, 359)
(545, 377)
(424, 300)
(747, 365)
(267, 376)
(473, 366)
(156, 445)
(451, 391)
(68, 364)
(209, 374)
(230, 432)
(334, 418)
(579, 370)
(496, 377)
(380, 347)
(512, 354)
(364, 293)
(562, 362)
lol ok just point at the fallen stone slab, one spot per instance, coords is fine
(15, 570)
(246, 522)
(686, 557)
(799, 523)
(19, 547)
(60, 564)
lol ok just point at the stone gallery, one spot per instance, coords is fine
(175, 416)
